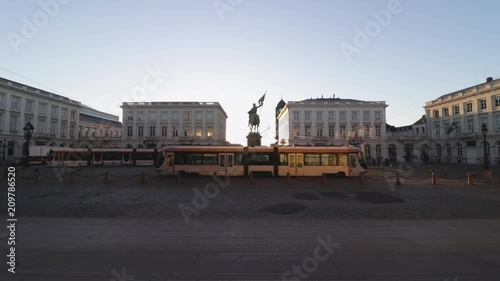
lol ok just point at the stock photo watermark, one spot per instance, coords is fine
(372, 29)
(32, 26)
(201, 199)
(223, 6)
(310, 264)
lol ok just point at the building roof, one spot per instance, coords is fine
(87, 110)
(336, 100)
(421, 121)
(90, 118)
(489, 85)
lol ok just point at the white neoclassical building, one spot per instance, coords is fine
(454, 125)
(54, 117)
(334, 121)
(156, 124)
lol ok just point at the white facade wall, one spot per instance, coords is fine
(54, 117)
(167, 123)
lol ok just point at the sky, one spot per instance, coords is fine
(105, 52)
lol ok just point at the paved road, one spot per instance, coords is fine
(69, 249)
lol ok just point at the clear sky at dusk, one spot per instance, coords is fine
(98, 51)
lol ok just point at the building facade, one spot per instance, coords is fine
(454, 120)
(157, 124)
(98, 129)
(54, 117)
(334, 121)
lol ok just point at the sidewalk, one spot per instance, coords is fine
(254, 249)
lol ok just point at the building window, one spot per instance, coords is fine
(164, 131)
(210, 131)
(164, 115)
(152, 116)
(438, 130)
(13, 123)
(72, 131)
(296, 116)
(456, 109)
(53, 128)
(446, 126)
(342, 130)
(73, 114)
(140, 116)
(448, 149)
(198, 116)
(342, 116)
(64, 113)
(470, 125)
(417, 130)
(446, 112)
(378, 116)
(86, 132)
(331, 130)
(460, 151)
(497, 123)
(175, 132)
(378, 151)
(130, 115)
(354, 116)
(483, 120)
(187, 131)
(14, 102)
(468, 107)
(377, 131)
(438, 150)
(30, 105)
(129, 131)
(296, 130)
(307, 115)
(366, 131)
(152, 131)
(210, 115)
(497, 101)
(482, 104)
(2, 99)
(42, 108)
(186, 116)
(331, 115)
(319, 132)
(366, 115)
(140, 131)
(199, 132)
(308, 130)
(436, 113)
(93, 132)
(319, 115)
(55, 111)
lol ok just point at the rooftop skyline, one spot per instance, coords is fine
(104, 53)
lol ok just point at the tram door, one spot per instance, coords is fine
(354, 167)
(226, 163)
(296, 164)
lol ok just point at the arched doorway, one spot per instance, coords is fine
(409, 152)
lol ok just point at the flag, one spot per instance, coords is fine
(261, 100)
(452, 127)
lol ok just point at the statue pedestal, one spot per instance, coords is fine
(253, 139)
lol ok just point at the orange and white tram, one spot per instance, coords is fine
(102, 156)
(275, 161)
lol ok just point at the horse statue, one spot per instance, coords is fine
(253, 118)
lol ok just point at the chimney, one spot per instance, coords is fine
(489, 79)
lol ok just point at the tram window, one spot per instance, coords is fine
(238, 159)
(229, 160)
(98, 157)
(209, 159)
(343, 160)
(169, 160)
(194, 159)
(126, 157)
(180, 158)
(312, 160)
(283, 159)
(353, 160)
(222, 162)
(329, 159)
(258, 158)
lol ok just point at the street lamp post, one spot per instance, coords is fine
(28, 133)
(486, 163)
